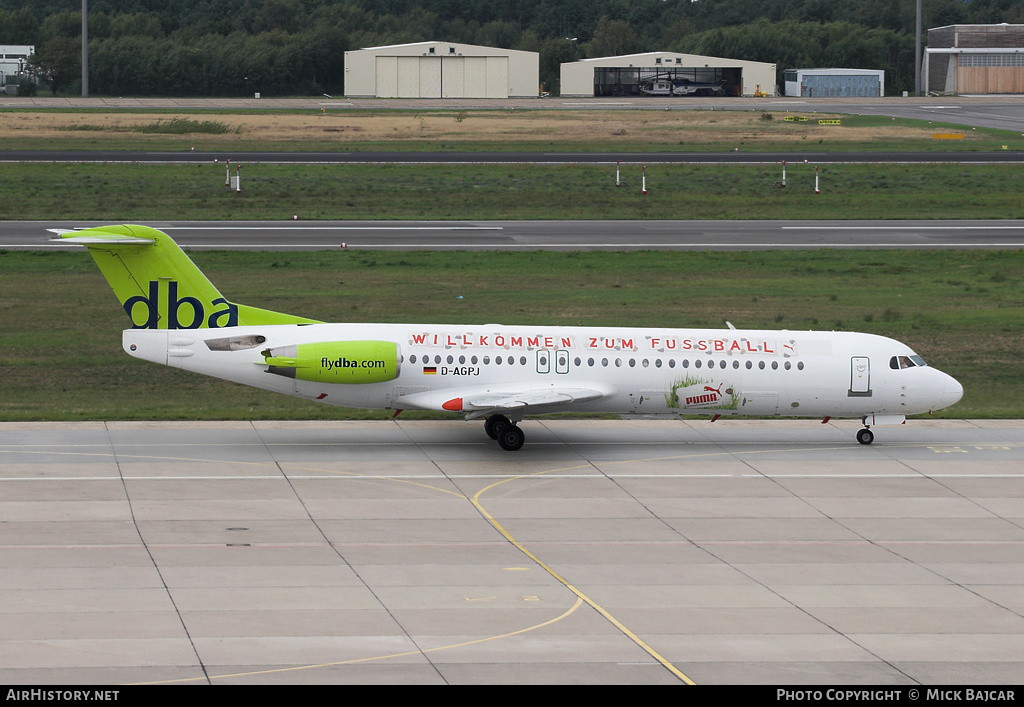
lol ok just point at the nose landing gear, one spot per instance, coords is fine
(865, 436)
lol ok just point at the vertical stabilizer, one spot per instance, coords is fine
(159, 286)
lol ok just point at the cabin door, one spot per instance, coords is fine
(860, 376)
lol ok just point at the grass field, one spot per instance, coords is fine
(122, 192)
(137, 192)
(60, 326)
(60, 357)
(545, 130)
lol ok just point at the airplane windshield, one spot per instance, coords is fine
(898, 362)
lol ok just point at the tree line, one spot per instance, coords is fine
(296, 47)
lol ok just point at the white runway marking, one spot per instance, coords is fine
(333, 228)
(904, 228)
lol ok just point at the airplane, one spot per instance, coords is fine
(502, 373)
(681, 87)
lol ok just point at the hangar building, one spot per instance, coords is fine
(974, 59)
(13, 62)
(835, 83)
(666, 74)
(441, 70)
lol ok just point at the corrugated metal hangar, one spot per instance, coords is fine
(974, 59)
(441, 70)
(835, 83)
(666, 74)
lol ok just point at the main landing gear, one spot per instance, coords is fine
(508, 434)
(865, 436)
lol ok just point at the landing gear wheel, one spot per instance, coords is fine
(865, 436)
(511, 438)
(495, 424)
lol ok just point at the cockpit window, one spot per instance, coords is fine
(898, 362)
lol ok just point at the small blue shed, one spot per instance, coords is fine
(835, 83)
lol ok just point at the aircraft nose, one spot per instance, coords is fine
(952, 391)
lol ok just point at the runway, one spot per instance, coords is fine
(678, 234)
(612, 551)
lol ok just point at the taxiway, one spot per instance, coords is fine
(631, 551)
(563, 235)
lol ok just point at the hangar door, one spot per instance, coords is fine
(667, 80)
(840, 86)
(989, 73)
(474, 77)
(442, 77)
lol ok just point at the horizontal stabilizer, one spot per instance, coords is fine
(104, 240)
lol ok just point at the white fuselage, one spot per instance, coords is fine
(607, 369)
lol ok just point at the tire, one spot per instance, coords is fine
(865, 436)
(511, 438)
(495, 425)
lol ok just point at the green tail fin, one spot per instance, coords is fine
(160, 287)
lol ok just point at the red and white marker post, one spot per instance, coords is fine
(816, 189)
(643, 189)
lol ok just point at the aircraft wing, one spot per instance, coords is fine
(530, 398)
(477, 404)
